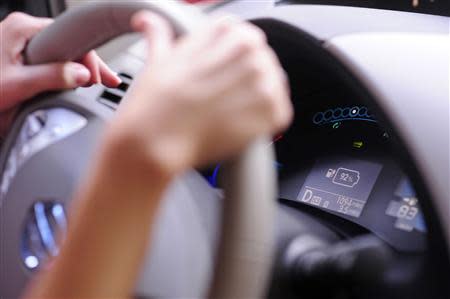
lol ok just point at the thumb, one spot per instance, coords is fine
(157, 32)
(54, 76)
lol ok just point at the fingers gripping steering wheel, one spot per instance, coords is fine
(245, 249)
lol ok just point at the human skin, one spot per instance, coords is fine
(234, 92)
(20, 82)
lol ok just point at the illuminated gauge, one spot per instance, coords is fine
(340, 114)
(328, 115)
(337, 113)
(340, 185)
(318, 118)
(345, 113)
(363, 112)
(406, 209)
(354, 111)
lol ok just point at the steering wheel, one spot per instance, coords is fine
(50, 146)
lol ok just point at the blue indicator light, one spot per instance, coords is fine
(318, 118)
(340, 114)
(337, 113)
(328, 115)
(213, 178)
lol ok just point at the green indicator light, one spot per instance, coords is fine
(336, 125)
(358, 144)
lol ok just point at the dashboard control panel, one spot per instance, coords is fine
(339, 160)
(340, 185)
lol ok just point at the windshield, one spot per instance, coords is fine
(436, 7)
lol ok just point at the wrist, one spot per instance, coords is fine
(125, 154)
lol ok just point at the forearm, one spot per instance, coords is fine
(108, 232)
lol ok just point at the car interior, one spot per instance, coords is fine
(357, 213)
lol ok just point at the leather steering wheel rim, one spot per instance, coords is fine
(244, 257)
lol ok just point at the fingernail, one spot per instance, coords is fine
(142, 20)
(76, 74)
(118, 77)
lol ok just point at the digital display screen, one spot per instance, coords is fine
(341, 184)
(405, 208)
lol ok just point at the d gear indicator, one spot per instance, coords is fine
(340, 184)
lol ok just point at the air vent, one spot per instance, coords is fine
(111, 97)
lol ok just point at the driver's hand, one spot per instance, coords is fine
(201, 98)
(19, 82)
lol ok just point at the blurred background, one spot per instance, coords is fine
(54, 7)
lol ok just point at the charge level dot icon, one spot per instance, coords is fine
(363, 112)
(354, 111)
(318, 118)
(328, 115)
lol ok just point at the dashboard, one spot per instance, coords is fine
(338, 158)
(338, 161)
